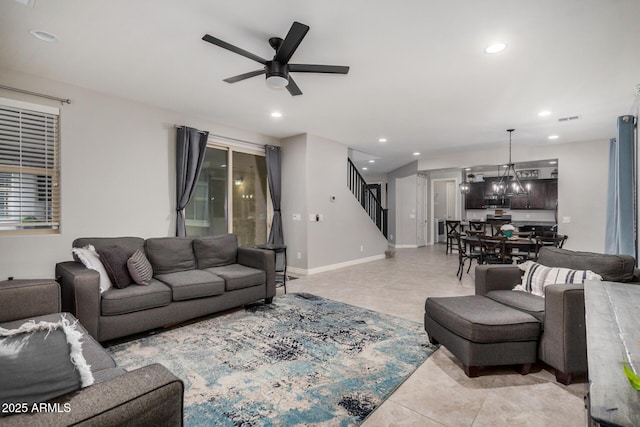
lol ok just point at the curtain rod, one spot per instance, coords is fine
(41, 95)
(228, 138)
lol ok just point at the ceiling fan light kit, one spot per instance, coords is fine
(277, 70)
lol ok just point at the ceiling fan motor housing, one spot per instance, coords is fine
(277, 69)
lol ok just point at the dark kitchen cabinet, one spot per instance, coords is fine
(543, 194)
(474, 199)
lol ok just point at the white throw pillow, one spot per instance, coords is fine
(537, 276)
(89, 257)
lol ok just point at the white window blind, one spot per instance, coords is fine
(29, 168)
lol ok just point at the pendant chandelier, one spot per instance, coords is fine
(465, 186)
(509, 183)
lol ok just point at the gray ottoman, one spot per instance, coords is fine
(482, 332)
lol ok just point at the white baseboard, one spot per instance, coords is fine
(405, 246)
(308, 272)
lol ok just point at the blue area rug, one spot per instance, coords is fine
(301, 360)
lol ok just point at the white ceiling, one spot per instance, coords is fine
(419, 75)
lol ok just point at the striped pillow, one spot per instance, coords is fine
(140, 268)
(537, 277)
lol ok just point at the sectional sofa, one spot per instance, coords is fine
(189, 278)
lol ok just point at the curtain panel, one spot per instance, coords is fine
(272, 156)
(620, 237)
(190, 147)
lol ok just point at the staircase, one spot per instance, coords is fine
(367, 199)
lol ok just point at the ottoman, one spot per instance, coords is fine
(482, 332)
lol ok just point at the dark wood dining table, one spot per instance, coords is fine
(510, 243)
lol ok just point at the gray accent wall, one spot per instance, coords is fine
(118, 172)
(313, 170)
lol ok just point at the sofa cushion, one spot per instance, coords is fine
(523, 301)
(40, 361)
(114, 260)
(192, 284)
(612, 268)
(482, 320)
(170, 254)
(135, 298)
(215, 251)
(238, 276)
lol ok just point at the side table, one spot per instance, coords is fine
(282, 251)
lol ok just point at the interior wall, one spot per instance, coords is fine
(314, 170)
(117, 172)
(582, 184)
(396, 220)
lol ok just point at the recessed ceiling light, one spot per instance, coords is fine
(223, 166)
(276, 114)
(553, 162)
(553, 137)
(372, 161)
(44, 36)
(544, 113)
(382, 140)
(364, 169)
(495, 47)
(467, 169)
(416, 154)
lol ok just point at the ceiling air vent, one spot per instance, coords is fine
(568, 118)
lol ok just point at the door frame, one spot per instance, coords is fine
(457, 209)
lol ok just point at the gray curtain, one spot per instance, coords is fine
(272, 155)
(620, 237)
(190, 147)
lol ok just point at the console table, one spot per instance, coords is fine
(613, 337)
(279, 250)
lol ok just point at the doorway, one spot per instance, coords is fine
(445, 204)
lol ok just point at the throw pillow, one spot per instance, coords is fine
(89, 257)
(115, 260)
(537, 276)
(140, 268)
(41, 361)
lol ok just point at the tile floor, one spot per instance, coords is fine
(438, 393)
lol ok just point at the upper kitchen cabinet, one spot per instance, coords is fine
(543, 194)
(474, 199)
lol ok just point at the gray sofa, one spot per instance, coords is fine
(507, 334)
(150, 395)
(192, 277)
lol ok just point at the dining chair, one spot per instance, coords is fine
(524, 253)
(495, 226)
(452, 227)
(476, 225)
(556, 241)
(466, 252)
(493, 250)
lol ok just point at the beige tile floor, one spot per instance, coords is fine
(438, 393)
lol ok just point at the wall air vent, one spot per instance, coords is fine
(568, 118)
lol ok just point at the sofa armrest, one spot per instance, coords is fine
(262, 259)
(151, 395)
(564, 341)
(80, 293)
(492, 277)
(24, 299)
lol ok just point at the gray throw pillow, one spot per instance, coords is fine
(216, 251)
(40, 361)
(140, 268)
(115, 260)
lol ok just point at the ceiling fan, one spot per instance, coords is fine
(277, 70)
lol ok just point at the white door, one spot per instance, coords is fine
(421, 217)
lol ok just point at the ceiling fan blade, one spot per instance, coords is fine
(293, 88)
(244, 76)
(308, 68)
(233, 48)
(291, 42)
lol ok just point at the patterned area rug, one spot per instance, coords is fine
(301, 360)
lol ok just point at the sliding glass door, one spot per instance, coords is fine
(212, 212)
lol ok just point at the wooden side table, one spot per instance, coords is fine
(278, 249)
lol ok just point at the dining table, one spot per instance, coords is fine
(522, 244)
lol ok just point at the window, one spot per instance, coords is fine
(29, 168)
(230, 196)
